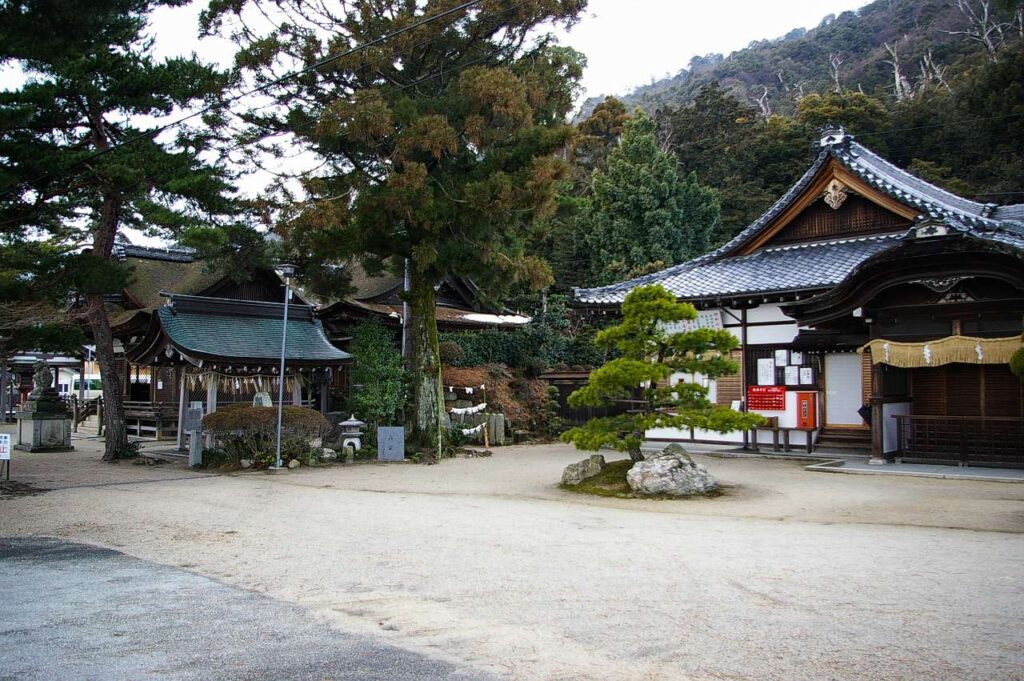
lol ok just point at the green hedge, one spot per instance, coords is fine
(532, 347)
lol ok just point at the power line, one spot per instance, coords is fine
(261, 88)
(945, 125)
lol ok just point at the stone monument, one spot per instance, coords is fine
(44, 422)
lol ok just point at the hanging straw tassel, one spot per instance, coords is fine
(950, 350)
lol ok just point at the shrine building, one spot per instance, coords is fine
(875, 311)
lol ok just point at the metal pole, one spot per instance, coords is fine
(405, 310)
(280, 381)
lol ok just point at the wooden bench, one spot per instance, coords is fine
(750, 438)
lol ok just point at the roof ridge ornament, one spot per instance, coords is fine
(835, 194)
(930, 226)
(834, 136)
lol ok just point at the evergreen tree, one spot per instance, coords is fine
(438, 146)
(641, 215)
(749, 161)
(377, 375)
(649, 353)
(561, 239)
(89, 77)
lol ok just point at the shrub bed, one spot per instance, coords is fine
(246, 432)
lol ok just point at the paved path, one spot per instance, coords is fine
(919, 470)
(72, 611)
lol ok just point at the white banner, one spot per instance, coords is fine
(706, 319)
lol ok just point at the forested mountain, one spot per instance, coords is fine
(856, 49)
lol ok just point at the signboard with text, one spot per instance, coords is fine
(766, 397)
(5, 447)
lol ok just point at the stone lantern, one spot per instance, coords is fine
(352, 433)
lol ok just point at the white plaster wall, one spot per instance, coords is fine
(763, 335)
(771, 312)
(889, 442)
(65, 377)
(699, 379)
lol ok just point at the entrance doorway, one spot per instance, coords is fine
(843, 390)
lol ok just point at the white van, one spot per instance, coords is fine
(93, 386)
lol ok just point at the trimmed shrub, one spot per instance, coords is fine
(247, 432)
(1017, 363)
(451, 352)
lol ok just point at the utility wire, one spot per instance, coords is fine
(231, 100)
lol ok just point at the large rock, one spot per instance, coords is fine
(673, 472)
(575, 473)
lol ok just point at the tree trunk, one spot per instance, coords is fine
(426, 411)
(103, 237)
(113, 407)
(4, 392)
(634, 452)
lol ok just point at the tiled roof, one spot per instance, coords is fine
(787, 268)
(803, 266)
(171, 253)
(253, 332)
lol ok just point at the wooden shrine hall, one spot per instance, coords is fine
(187, 334)
(876, 312)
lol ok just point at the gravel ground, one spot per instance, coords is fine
(485, 562)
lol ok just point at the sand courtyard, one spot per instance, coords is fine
(486, 563)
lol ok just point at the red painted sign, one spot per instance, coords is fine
(766, 397)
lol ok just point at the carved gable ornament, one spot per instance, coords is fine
(835, 194)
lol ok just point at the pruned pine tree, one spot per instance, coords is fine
(649, 353)
(438, 146)
(89, 77)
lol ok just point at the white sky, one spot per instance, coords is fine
(627, 42)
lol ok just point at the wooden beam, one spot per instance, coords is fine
(832, 170)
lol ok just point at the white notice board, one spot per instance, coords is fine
(5, 447)
(766, 371)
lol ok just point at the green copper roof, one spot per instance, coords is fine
(215, 329)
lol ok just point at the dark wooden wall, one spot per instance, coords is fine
(856, 217)
(967, 390)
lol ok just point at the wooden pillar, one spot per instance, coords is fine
(743, 358)
(297, 392)
(211, 401)
(877, 414)
(81, 382)
(182, 405)
(211, 392)
(325, 389)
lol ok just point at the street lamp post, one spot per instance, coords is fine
(286, 271)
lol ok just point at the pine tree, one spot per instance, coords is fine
(641, 215)
(90, 75)
(649, 354)
(438, 147)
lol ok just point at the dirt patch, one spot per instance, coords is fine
(12, 489)
(520, 399)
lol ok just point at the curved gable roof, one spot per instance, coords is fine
(819, 265)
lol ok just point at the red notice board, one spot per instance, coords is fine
(766, 397)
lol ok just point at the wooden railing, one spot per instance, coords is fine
(961, 440)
